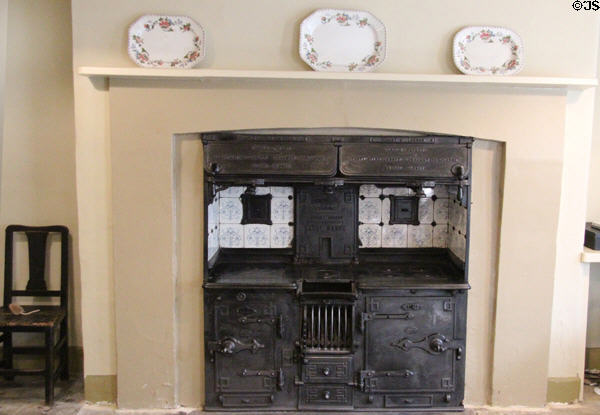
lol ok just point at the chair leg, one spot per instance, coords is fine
(64, 375)
(49, 367)
(8, 353)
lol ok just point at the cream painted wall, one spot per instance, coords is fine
(93, 199)
(3, 32)
(593, 214)
(38, 168)
(263, 35)
(571, 284)
(593, 326)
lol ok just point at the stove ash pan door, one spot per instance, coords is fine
(414, 351)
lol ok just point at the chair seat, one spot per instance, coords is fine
(48, 316)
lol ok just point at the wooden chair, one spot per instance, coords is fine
(48, 320)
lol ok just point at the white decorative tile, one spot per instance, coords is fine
(369, 210)
(452, 212)
(282, 191)
(420, 236)
(452, 191)
(425, 210)
(211, 253)
(282, 210)
(441, 191)
(428, 191)
(452, 240)
(212, 212)
(231, 236)
(440, 211)
(369, 190)
(257, 236)
(461, 219)
(397, 191)
(234, 191)
(281, 236)
(394, 236)
(440, 236)
(458, 245)
(262, 190)
(385, 210)
(462, 253)
(230, 210)
(213, 241)
(370, 236)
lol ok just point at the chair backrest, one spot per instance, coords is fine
(37, 238)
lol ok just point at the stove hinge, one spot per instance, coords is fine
(367, 378)
(370, 316)
(275, 374)
(278, 322)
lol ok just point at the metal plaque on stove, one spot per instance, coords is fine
(260, 159)
(401, 160)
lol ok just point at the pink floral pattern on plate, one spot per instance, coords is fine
(139, 51)
(342, 18)
(492, 36)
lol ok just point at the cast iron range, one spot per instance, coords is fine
(331, 320)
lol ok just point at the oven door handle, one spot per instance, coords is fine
(231, 345)
(433, 344)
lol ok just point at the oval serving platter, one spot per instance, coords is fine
(342, 41)
(488, 50)
(166, 42)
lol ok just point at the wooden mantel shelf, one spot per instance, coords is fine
(413, 79)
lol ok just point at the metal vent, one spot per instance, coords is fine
(327, 327)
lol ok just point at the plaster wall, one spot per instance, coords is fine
(263, 35)
(593, 214)
(569, 315)
(38, 139)
(3, 32)
(593, 328)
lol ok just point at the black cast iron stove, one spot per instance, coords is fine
(335, 269)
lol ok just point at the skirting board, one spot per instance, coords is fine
(100, 389)
(563, 390)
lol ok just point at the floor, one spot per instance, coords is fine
(25, 396)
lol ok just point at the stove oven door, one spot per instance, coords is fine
(413, 350)
(247, 333)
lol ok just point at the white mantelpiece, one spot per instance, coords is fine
(411, 79)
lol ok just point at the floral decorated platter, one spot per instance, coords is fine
(483, 50)
(166, 42)
(342, 41)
